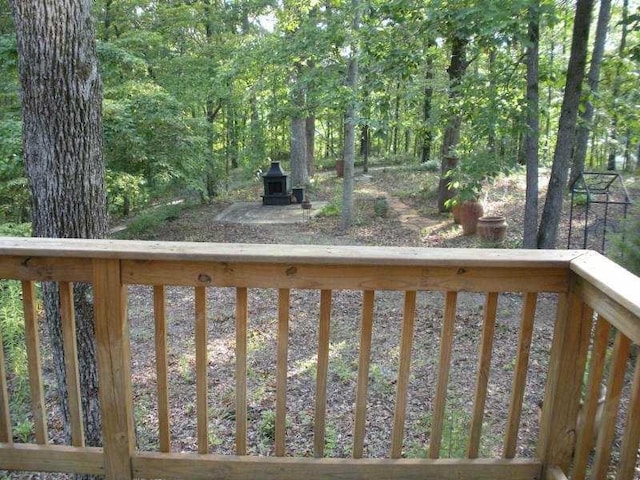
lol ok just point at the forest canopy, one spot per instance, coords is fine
(194, 90)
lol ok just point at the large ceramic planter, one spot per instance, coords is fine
(492, 228)
(470, 212)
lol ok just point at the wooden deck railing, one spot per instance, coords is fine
(597, 331)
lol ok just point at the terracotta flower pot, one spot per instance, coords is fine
(470, 212)
(492, 228)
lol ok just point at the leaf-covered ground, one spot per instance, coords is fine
(412, 220)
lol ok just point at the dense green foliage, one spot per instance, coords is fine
(195, 89)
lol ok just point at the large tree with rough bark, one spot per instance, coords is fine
(550, 221)
(593, 81)
(62, 141)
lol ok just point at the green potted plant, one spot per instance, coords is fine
(465, 207)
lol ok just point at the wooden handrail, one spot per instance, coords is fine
(589, 288)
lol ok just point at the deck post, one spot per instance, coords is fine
(565, 374)
(114, 367)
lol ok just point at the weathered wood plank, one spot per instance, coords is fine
(596, 369)
(618, 365)
(631, 437)
(364, 356)
(52, 458)
(520, 374)
(554, 473)
(162, 366)
(70, 347)
(406, 344)
(622, 318)
(114, 368)
(617, 283)
(204, 467)
(32, 340)
(564, 382)
(45, 269)
(444, 365)
(484, 366)
(201, 369)
(241, 370)
(281, 380)
(319, 424)
(285, 254)
(5, 416)
(357, 277)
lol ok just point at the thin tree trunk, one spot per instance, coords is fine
(350, 122)
(62, 141)
(299, 172)
(533, 129)
(613, 150)
(365, 138)
(593, 78)
(396, 121)
(550, 221)
(310, 135)
(451, 137)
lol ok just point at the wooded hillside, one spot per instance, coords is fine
(195, 90)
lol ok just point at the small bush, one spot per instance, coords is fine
(147, 221)
(332, 209)
(15, 229)
(432, 166)
(626, 249)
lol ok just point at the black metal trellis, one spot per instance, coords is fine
(598, 188)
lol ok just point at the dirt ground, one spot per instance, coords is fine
(412, 220)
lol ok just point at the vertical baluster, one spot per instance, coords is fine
(322, 371)
(564, 381)
(439, 404)
(71, 363)
(614, 389)
(160, 319)
(484, 367)
(596, 369)
(5, 417)
(114, 367)
(201, 369)
(631, 437)
(363, 372)
(32, 338)
(241, 371)
(281, 381)
(406, 344)
(520, 375)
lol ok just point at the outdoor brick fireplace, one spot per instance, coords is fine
(276, 186)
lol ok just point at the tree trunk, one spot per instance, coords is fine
(550, 221)
(533, 129)
(593, 78)
(396, 121)
(451, 137)
(365, 138)
(427, 137)
(299, 172)
(310, 135)
(62, 141)
(350, 122)
(615, 94)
